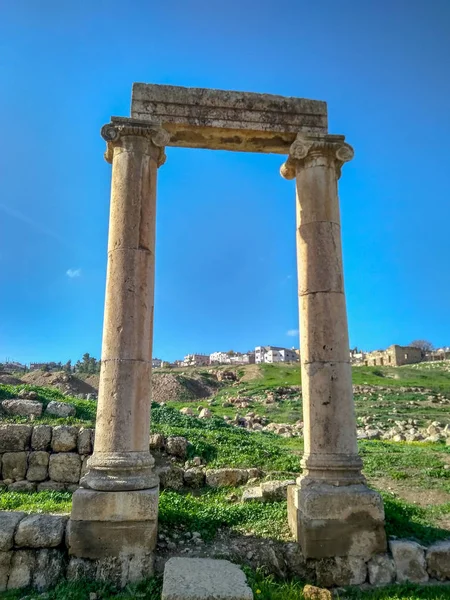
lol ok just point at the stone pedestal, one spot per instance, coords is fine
(331, 510)
(116, 512)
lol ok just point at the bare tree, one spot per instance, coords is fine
(423, 345)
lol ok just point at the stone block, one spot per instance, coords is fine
(194, 477)
(176, 446)
(65, 467)
(60, 409)
(156, 441)
(330, 521)
(311, 592)
(14, 438)
(275, 490)
(171, 478)
(22, 408)
(203, 579)
(409, 559)
(49, 568)
(22, 486)
(253, 494)
(341, 571)
(228, 120)
(5, 564)
(38, 466)
(381, 570)
(8, 524)
(41, 437)
(51, 486)
(438, 560)
(85, 441)
(81, 568)
(226, 477)
(64, 438)
(14, 465)
(138, 505)
(21, 571)
(125, 569)
(41, 531)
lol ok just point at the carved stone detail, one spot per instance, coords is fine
(117, 129)
(306, 147)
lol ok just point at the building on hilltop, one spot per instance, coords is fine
(394, 356)
(196, 360)
(274, 354)
(156, 363)
(225, 358)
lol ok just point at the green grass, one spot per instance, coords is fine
(36, 502)
(85, 409)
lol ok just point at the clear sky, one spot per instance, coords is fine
(226, 275)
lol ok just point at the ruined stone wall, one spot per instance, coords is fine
(33, 552)
(394, 356)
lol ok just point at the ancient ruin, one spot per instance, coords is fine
(331, 510)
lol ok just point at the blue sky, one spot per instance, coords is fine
(226, 275)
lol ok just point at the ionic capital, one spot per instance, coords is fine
(306, 148)
(118, 129)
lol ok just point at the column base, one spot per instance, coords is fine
(330, 521)
(113, 524)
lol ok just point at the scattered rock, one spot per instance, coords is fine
(23, 408)
(60, 409)
(311, 592)
(176, 446)
(205, 413)
(226, 477)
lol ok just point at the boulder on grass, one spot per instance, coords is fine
(22, 408)
(60, 409)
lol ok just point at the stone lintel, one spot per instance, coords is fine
(227, 120)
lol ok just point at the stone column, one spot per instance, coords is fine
(115, 511)
(331, 510)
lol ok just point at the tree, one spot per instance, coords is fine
(68, 366)
(423, 345)
(45, 368)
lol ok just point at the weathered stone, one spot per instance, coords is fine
(156, 441)
(333, 521)
(14, 438)
(171, 478)
(38, 466)
(5, 563)
(227, 120)
(203, 579)
(81, 568)
(341, 570)
(85, 441)
(8, 524)
(381, 570)
(187, 410)
(51, 486)
(30, 394)
(22, 486)
(60, 409)
(64, 438)
(205, 413)
(176, 446)
(226, 477)
(409, 559)
(125, 569)
(41, 531)
(275, 490)
(14, 465)
(65, 467)
(253, 493)
(438, 560)
(49, 568)
(194, 477)
(41, 437)
(23, 408)
(311, 592)
(21, 570)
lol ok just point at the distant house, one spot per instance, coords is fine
(156, 363)
(275, 354)
(223, 358)
(394, 356)
(51, 366)
(196, 360)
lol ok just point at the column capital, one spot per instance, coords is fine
(305, 148)
(120, 128)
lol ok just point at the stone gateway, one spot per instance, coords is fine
(331, 510)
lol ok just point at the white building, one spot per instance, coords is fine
(156, 363)
(219, 358)
(223, 358)
(196, 360)
(274, 354)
